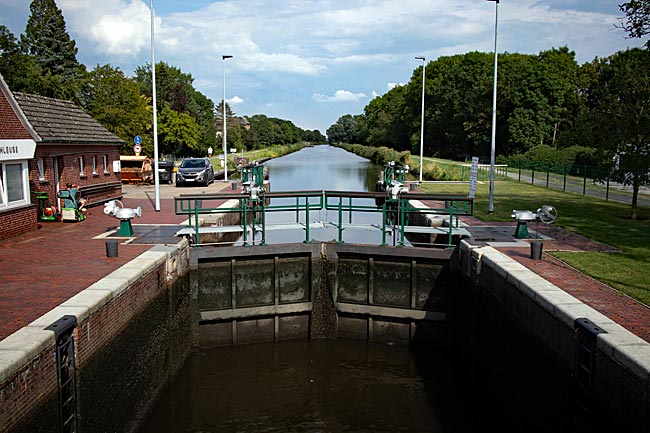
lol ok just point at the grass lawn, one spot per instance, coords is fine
(607, 222)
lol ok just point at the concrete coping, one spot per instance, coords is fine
(619, 343)
(21, 347)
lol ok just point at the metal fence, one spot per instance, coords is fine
(579, 178)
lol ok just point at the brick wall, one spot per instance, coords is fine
(12, 128)
(515, 332)
(14, 222)
(127, 349)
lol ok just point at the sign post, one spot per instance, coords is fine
(473, 177)
(137, 140)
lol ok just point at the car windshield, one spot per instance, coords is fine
(193, 163)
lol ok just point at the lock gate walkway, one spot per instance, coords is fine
(42, 269)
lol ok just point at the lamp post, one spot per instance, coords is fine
(225, 151)
(424, 74)
(155, 114)
(494, 108)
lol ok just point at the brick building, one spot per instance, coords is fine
(44, 144)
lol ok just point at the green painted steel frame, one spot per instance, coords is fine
(394, 211)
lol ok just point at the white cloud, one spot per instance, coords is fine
(115, 27)
(283, 49)
(339, 96)
(235, 100)
(391, 86)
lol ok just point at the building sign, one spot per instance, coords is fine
(11, 150)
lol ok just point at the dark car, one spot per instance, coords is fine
(196, 171)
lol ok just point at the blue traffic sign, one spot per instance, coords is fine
(137, 139)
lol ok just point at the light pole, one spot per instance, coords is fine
(494, 108)
(225, 151)
(424, 74)
(155, 114)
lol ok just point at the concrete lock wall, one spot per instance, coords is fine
(319, 291)
(132, 336)
(508, 309)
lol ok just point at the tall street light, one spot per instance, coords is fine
(424, 74)
(225, 151)
(155, 114)
(494, 108)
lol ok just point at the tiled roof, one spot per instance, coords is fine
(60, 121)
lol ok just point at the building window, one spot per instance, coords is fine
(105, 164)
(41, 169)
(13, 184)
(94, 160)
(81, 166)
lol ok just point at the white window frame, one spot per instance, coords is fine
(94, 162)
(81, 166)
(106, 164)
(40, 164)
(4, 199)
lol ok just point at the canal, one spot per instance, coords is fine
(322, 168)
(354, 386)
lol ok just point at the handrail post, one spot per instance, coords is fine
(245, 225)
(400, 208)
(340, 225)
(451, 218)
(383, 225)
(196, 222)
(350, 210)
(263, 215)
(307, 238)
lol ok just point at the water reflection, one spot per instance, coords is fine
(302, 386)
(323, 168)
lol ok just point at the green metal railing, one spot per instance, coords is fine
(394, 212)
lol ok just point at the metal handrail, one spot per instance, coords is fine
(392, 210)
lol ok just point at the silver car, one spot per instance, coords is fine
(196, 171)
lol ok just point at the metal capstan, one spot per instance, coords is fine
(124, 214)
(546, 214)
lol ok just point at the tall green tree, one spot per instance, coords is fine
(620, 118)
(175, 89)
(19, 70)
(115, 101)
(48, 42)
(178, 133)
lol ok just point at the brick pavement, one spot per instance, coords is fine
(44, 268)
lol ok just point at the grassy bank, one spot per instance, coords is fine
(607, 222)
(255, 155)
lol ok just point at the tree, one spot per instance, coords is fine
(348, 129)
(115, 101)
(637, 18)
(176, 89)
(620, 117)
(48, 42)
(178, 133)
(19, 70)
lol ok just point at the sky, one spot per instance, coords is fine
(313, 61)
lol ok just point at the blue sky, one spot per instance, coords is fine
(313, 61)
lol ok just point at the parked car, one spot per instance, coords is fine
(194, 171)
